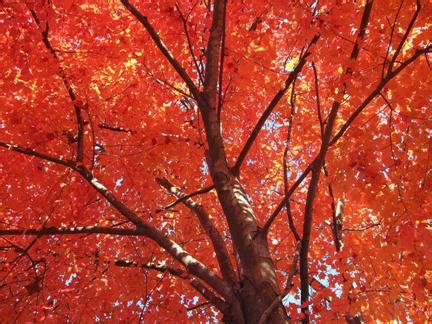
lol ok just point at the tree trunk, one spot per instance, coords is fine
(258, 284)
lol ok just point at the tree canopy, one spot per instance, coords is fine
(245, 161)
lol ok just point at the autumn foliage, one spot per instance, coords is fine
(245, 161)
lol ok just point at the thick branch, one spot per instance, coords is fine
(316, 170)
(221, 69)
(159, 266)
(73, 231)
(249, 243)
(216, 238)
(345, 127)
(163, 267)
(192, 265)
(293, 75)
(329, 185)
(31, 152)
(162, 47)
(212, 53)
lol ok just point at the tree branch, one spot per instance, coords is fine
(335, 229)
(272, 105)
(405, 36)
(391, 39)
(288, 194)
(115, 128)
(159, 266)
(61, 72)
(185, 197)
(219, 246)
(318, 101)
(377, 90)
(212, 53)
(179, 273)
(316, 170)
(198, 306)
(32, 152)
(162, 47)
(221, 69)
(285, 164)
(329, 185)
(184, 20)
(361, 229)
(345, 127)
(73, 231)
(192, 265)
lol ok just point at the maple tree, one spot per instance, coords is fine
(251, 161)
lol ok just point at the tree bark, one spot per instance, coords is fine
(258, 285)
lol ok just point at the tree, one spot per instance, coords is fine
(246, 161)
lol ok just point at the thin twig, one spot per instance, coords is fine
(278, 96)
(71, 92)
(405, 36)
(285, 164)
(185, 197)
(391, 38)
(184, 20)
